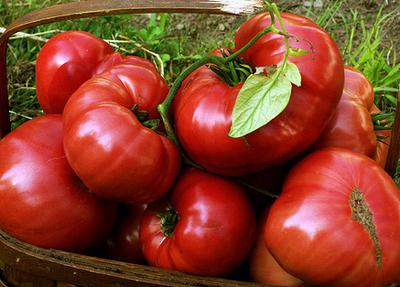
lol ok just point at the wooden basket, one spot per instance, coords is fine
(22, 264)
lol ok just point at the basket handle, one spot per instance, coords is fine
(93, 8)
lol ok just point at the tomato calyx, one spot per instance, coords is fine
(235, 71)
(143, 117)
(168, 220)
(361, 213)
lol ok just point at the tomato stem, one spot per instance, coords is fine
(168, 220)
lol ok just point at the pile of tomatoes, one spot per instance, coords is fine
(97, 175)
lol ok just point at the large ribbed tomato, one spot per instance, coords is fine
(351, 126)
(337, 222)
(203, 106)
(207, 227)
(42, 201)
(113, 153)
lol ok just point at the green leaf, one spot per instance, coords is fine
(292, 73)
(259, 101)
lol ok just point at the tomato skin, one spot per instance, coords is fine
(263, 267)
(203, 106)
(105, 141)
(312, 233)
(213, 235)
(42, 201)
(65, 62)
(123, 244)
(351, 126)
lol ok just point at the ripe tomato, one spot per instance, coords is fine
(65, 62)
(111, 151)
(351, 126)
(203, 107)
(337, 222)
(207, 228)
(263, 267)
(123, 244)
(42, 201)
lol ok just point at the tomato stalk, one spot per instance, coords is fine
(168, 221)
(164, 107)
(236, 72)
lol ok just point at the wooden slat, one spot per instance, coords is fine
(91, 271)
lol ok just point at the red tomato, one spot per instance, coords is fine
(123, 244)
(110, 150)
(264, 268)
(207, 228)
(65, 62)
(351, 126)
(337, 222)
(203, 107)
(42, 201)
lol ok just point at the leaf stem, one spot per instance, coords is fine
(275, 11)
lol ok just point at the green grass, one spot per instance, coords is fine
(361, 39)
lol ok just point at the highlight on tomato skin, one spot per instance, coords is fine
(42, 201)
(337, 221)
(197, 230)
